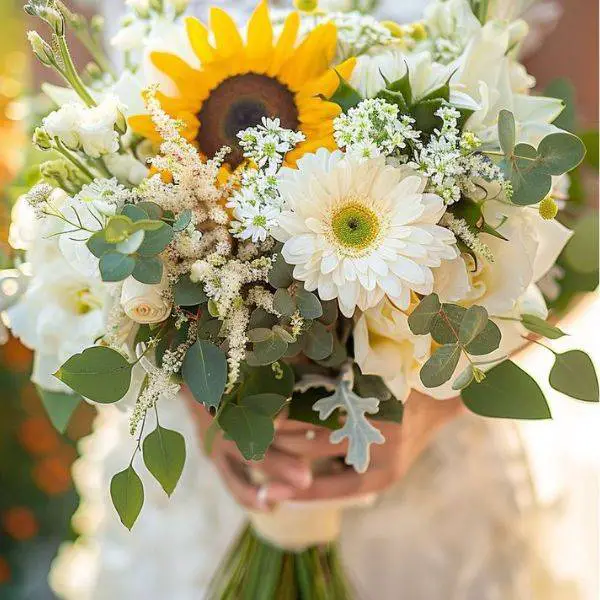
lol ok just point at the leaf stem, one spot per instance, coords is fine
(528, 339)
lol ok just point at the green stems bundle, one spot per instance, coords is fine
(257, 570)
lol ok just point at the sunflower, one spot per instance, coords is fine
(239, 83)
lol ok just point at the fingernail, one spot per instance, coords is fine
(280, 493)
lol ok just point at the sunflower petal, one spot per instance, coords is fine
(198, 36)
(286, 42)
(260, 32)
(187, 79)
(227, 37)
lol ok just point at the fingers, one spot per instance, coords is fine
(313, 446)
(347, 484)
(247, 494)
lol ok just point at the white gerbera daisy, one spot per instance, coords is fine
(361, 230)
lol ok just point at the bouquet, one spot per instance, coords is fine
(314, 215)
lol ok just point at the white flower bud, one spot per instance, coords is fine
(41, 49)
(145, 304)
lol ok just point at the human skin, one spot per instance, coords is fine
(288, 464)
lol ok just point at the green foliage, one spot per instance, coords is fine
(156, 241)
(507, 392)
(266, 380)
(59, 406)
(529, 169)
(319, 342)
(101, 374)
(564, 90)
(308, 304)
(148, 270)
(164, 456)
(204, 370)
(249, 423)
(127, 493)
(188, 293)
(541, 327)
(581, 252)
(182, 221)
(574, 374)
(345, 96)
(115, 266)
(284, 303)
(280, 275)
(458, 330)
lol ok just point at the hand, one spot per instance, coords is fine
(288, 463)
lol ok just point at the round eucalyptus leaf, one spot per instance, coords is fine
(441, 366)
(574, 374)
(148, 270)
(115, 266)
(560, 152)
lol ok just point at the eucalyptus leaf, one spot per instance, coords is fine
(134, 212)
(283, 303)
(148, 270)
(132, 243)
(204, 370)
(59, 407)
(574, 374)
(98, 245)
(308, 304)
(152, 210)
(446, 324)
(487, 341)
(441, 366)
(269, 351)
(188, 293)
(280, 275)
(100, 374)
(156, 241)
(261, 334)
(118, 228)
(164, 456)
(422, 316)
(561, 152)
(319, 342)
(183, 220)
(115, 266)
(507, 131)
(472, 324)
(507, 392)
(541, 327)
(464, 379)
(266, 380)
(127, 493)
(357, 429)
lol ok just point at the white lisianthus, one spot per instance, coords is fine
(64, 124)
(359, 231)
(425, 76)
(145, 304)
(385, 346)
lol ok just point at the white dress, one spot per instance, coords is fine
(466, 524)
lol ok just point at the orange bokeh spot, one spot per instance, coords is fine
(16, 355)
(20, 523)
(52, 475)
(4, 571)
(37, 436)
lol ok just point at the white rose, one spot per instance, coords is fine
(145, 304)
(385, 346)
(63, 124)
(97, 132)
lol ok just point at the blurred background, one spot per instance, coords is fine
(37, 497)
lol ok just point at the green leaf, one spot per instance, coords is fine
(559, 153)
(148, 270)
(422, 316)
(152, 210)
(249, 423)
(134, 212)
(487, 341)
(445, 326)
(269, 351)
(402, 85)
(541, 327)
(264, 380)
(507, 392)
(581, 252)
(127, 493)
(319, 342)
(464, 379)
(473, 323)
(132, 243)
(441, 366)
(507, 131)
(118, 228)
(574, 374)
(98, 245)
(183, 220)
(301, 409)
(164, 456)
(390, 411)
(280, 275)
(100, 374)
(261, 334)
(261, 318)
(59, 406)
(205, 372)
(156, 241)
(188, 293)
(564, 90)
(425, 117)
(530, 183)
(115, 266)
(308, 304)
(396, 98)
(283, 303)
(345, 96)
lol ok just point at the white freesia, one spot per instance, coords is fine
(358, 231)
(425, 76)
(145, 304)
(489, 73)
(385, 346)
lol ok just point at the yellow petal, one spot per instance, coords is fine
(227, 37)
(312, 58)
(329, 82)
(286, 42)
(186, 78)
(198, 36)
(260, 32)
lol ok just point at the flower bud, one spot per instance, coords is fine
(306, 5)
(48, 12)
(179, 6)
(41, 139)
(97, 24)
(157, 5)
(145, 304)
(548, 208)
(41, 49)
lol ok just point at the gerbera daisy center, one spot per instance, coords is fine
(355, 226)
(240, 102)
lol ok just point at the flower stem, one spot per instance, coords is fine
(74, 160)
(70, 72)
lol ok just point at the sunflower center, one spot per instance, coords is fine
(240, 102)
(355, 226)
